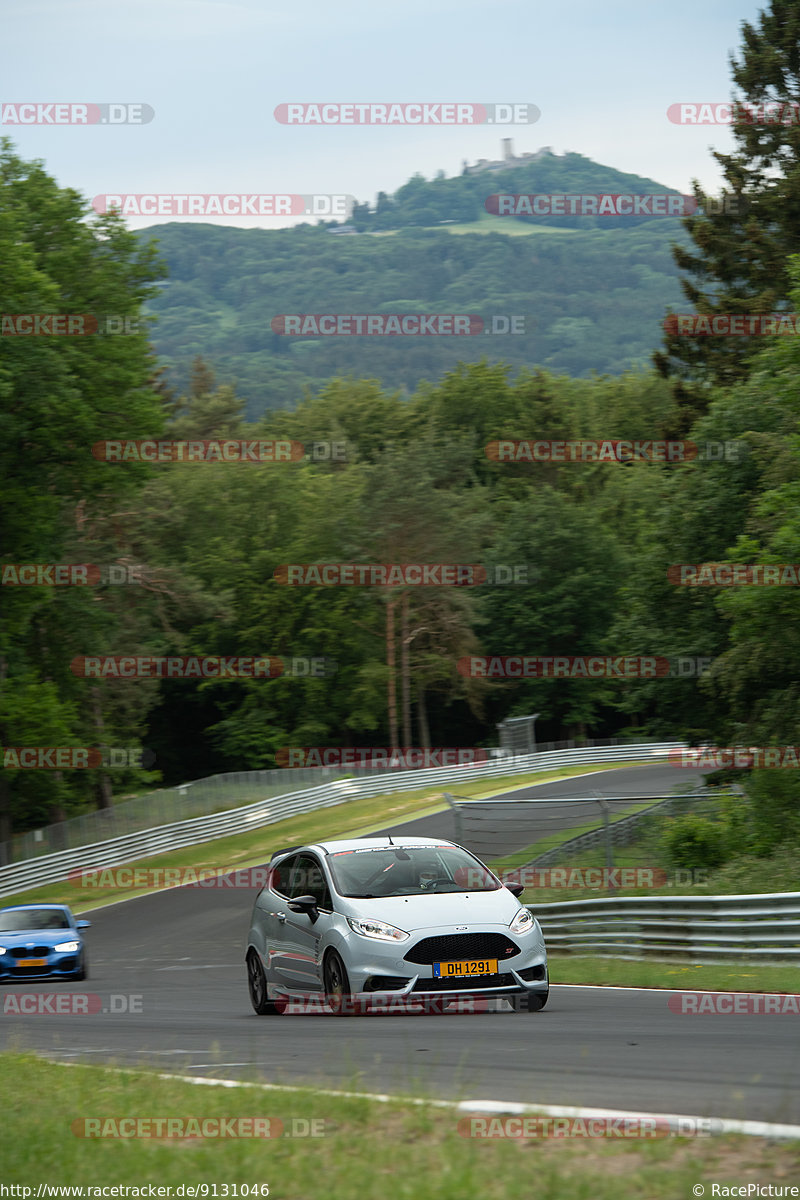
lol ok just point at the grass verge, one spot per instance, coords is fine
(366, 1149)
(676, 975)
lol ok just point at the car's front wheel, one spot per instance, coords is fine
(257, 986)
(83, 973)
(337, 986)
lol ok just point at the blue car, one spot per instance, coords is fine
(41, 941)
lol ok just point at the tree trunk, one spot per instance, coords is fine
(103, 791)
(422, 717)
(405, 671)
(392, 681)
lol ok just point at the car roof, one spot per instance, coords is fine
(367, 843)
(57, 907)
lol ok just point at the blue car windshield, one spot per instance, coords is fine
(22, 919)
(408, 871)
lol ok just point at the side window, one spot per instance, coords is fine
(281, 875)
(308, 880)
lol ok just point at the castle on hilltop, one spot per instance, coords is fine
(509, 159)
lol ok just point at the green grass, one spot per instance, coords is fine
(367, 1150)
(352, 818)
(676, 975)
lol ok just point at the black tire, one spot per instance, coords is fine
(257, 987)
(337, 986)
(533, 1002)
(84, 971)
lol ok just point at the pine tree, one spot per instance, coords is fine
(744, 239)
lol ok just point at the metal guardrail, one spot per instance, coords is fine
(52, 868)
(707, 927)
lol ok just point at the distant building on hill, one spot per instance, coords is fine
(509, 159)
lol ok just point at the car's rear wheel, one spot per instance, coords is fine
(533, 1002)
(257, 986)
(337, 986)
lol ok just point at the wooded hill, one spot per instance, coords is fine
(592, 291)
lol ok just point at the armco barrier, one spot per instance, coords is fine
(708, 927)
(50, 868)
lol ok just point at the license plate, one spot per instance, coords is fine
(458, 970)
(31, 962)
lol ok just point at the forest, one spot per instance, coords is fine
(355, 455)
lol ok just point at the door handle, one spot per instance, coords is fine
(281, 917)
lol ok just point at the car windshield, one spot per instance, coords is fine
(408, 871)
(21, 919)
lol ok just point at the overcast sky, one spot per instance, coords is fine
(602, 74)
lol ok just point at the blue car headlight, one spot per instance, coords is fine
(523, 922)
(371, 928)
(67, 947)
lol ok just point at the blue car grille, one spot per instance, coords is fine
(30, 951)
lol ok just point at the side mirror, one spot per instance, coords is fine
(516, 889)
(83, 924)
(305, 904)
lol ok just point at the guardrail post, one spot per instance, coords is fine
(604, 808)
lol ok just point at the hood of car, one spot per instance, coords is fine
(434, 909)
(38, 937)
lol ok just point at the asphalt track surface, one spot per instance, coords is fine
(177, 956)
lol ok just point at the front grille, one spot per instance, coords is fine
(474, 983)
(30, 952)
(21, 972)
(457, 946)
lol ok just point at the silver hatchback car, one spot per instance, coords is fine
(349, 923)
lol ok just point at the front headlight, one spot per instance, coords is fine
(3, 950)
(371, 928)
(523, 922)
(67, 947)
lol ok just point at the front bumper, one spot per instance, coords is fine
(380, 968)
(60, 965)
